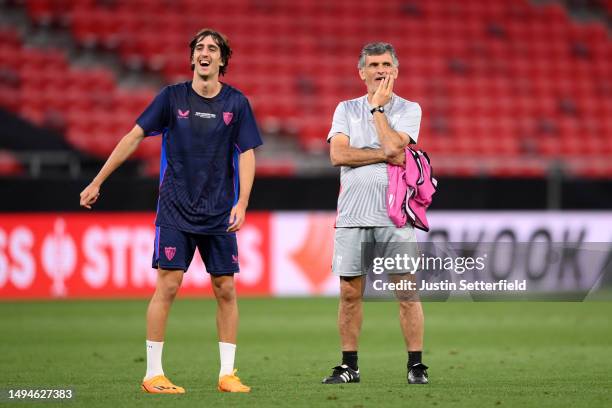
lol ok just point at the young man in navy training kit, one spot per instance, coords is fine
(207, 170)
(366, 134)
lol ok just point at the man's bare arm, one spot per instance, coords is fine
(392, 141)
(342, 154)
(246, 173)
(126, 146)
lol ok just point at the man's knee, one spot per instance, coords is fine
(224, 288)
(168, 285)
(350, 290)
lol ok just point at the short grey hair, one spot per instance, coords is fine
(377, 48)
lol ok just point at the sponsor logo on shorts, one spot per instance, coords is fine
(234, 259)
(170, 252)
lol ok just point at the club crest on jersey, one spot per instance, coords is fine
(183, 114)
(227, 117)
(170, 252)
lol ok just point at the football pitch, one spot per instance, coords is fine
(480, 354)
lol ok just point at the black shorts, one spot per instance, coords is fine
(174, 250)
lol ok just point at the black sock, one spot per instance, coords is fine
(350, 359)
(414, 357)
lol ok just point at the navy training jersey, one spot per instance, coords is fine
(201, 141)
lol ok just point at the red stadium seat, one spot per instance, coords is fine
(498, 78)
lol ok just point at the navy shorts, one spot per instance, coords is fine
(174, 250)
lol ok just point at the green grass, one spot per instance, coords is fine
(480, 354)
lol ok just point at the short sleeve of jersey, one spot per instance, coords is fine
(248, 134)
(339, 122)
(156, 117)
(410, 121)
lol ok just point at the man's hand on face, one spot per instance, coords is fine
(382, 96)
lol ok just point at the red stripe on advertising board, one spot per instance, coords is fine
(108, 255)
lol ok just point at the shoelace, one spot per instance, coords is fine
(339, 370)
(419, 369)
(418, 372)
(233, 377)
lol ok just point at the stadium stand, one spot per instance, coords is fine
(85, 104)
(506, 83)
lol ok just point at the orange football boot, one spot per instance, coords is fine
(161, 385)
(231, 383)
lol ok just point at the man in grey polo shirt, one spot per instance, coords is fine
(366, 134)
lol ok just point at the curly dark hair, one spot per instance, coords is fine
(220, 39)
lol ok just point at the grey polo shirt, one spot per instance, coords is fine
(362, 199)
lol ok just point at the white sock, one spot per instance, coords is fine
(227, 352)
(154, 359)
